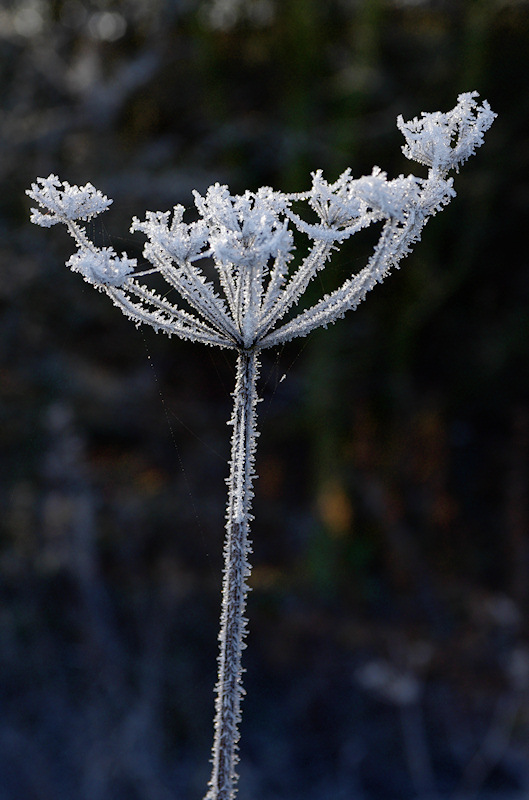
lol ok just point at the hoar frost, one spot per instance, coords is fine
(249, 240)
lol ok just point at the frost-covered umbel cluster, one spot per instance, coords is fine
(249, 239)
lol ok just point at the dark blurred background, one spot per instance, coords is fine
(388, 652)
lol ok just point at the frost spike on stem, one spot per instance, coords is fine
(229, 688)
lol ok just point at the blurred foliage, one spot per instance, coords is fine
(392, 506)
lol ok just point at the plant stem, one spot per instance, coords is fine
(229, 689)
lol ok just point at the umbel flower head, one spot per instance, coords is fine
(103, 266)
(249, 240)
(64, 202)
(445, 141)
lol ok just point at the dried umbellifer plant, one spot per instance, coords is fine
(248, 238)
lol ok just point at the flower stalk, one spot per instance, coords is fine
(233, 623)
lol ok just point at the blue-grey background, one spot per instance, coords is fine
(388, 652)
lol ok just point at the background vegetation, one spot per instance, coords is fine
(388, 655)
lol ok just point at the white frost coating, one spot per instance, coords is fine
(348, 201)
(64, 202)
(248, 241)
(174, 238)
(229, 689)
(445, 141)
(102, 266)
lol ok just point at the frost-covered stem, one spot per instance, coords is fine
(222, 785)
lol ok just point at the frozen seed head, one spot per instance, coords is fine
(245, 230)
(445, 141)
(102, 267)
(170, 238)
(342, 203)
(65, 203)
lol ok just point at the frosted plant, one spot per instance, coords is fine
(248, 241)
